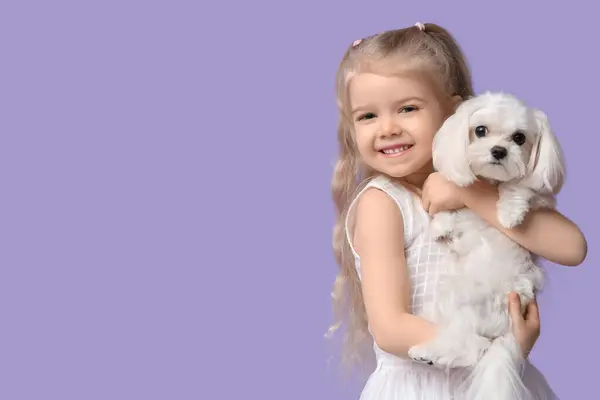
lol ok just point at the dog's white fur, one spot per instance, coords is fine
(471, 309)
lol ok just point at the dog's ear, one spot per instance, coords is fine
(450, 145)
(546, 169)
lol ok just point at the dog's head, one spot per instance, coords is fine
(496, 136)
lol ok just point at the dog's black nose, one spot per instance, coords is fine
(499, 152)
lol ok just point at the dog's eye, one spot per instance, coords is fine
(518, 138)
(480, 131)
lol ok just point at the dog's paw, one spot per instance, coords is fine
(513, 205)
(509, 218)
(442, 225)
(451, 353)
(526, 290)
(423, 361)
(423, 354)
(512, 211)
(463, 180)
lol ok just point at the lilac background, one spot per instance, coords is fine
(165, 169)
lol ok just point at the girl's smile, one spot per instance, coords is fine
(395, 150)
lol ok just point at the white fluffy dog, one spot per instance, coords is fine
(496, 137)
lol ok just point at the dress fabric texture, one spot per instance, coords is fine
(397, 378)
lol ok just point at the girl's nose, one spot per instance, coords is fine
(389, 128)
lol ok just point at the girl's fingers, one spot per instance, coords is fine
(532, 315)
(514, 308)
(432, 209)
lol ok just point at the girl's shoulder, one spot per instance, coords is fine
(390, 186)
(402, 197)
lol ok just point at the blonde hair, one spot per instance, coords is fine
(426, 48)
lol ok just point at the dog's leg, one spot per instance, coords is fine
(513, 204)
(451, 349)
(528, 283)
(453, 346)
(524, 287)
(442, 225)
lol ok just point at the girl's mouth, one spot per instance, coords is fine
(395, 151)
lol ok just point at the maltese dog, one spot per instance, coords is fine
(493, 137)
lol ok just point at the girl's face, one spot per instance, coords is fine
(395, 119)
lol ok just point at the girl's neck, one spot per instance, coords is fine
(417, 178)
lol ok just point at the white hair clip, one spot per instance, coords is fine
(356, 42)
(420, 26)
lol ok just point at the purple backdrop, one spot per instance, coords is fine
(165, 169)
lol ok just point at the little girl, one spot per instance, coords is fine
(394, 91)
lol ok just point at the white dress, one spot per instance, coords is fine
(396, 378)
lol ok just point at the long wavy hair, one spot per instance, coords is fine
(432, 50)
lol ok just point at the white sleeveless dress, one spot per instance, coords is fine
(397, 378)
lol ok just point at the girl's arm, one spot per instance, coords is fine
(379, 240)
(544, 232)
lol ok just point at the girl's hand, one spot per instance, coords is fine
(440, 194)
(525, 328)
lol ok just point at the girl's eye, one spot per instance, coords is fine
(366, 116)
(408, 109)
